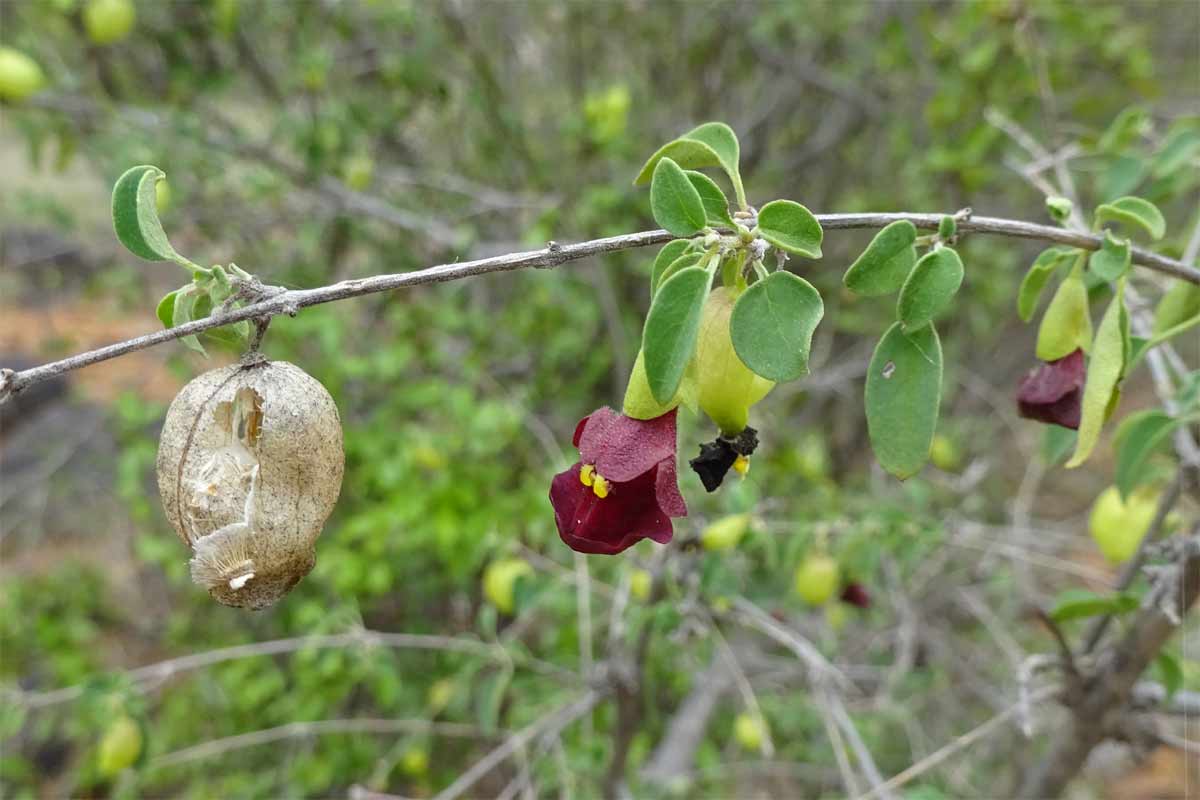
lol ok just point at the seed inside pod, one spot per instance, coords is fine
(249, 468)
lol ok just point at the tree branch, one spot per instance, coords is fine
(290, 302)
(1107, 690)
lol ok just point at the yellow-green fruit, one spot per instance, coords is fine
(1118, 526)
(640, 583)
(440, 694)
(109, 21)
(415, 761)
(162, 196)
(499, 581)
(20, 75)
(817, 579)
(725, 533)
(120, 747)
(944, 454)
(358, 171)
(726, 387)
(750, 730)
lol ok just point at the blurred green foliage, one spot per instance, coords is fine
(314, 141)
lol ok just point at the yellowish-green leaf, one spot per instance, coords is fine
(1035, 279)
(1105, 368)
(1067, 324)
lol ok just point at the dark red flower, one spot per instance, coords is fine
(1053, 392)
(623, 488)
(856, 594)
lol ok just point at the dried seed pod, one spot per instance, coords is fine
(249, 468)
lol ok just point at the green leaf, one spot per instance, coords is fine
(1067, 324)
(883, 266)
(234, 335)
(1134, 211)
(1036, 278)
(904, 389)
(181, 314)
(1125, 129)
(929, 288)
(716, 205)
(791, 227)
(669, 252)
(713, 144)
(166, 309)
(1170, 671)
(1111, 261)
(674, 201)
(1180, 304)
(1081, 604)
(1105, 368)
(772, 325)
(135, 214)
(1136, 439)
(670, 333)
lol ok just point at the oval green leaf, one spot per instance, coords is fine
(929, 288)
(772, 326)
(1134, 211)
(1112, 260)
(883, 266)
(716, 205)
(791, 227)
(1067, 323)
(135, 214)
(670, 333)
(1105, 368)
(723, 141)
(904, 390)
(674, 201)
(1035, 279)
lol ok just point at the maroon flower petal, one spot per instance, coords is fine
(856, 595)
(589, 433)
(1051, 381)
(666, 489)
(590, 524)
(1067, 411)
(631, 447)
(1053, 392)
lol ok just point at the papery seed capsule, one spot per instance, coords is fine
(249, 468)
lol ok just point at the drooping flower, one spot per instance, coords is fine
(855, 594)
(623, 488)
(1053, 393)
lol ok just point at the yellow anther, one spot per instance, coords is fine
(585, 474)
(600, 487)
(741, 465)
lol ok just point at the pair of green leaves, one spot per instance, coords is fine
(686, 202)
(771, 325)
(136, 223)
(890, 264)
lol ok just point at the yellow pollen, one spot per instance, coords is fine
(600, 487)
(585, 474)
(741, 465)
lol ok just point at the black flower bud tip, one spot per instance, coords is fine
(718, 456)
